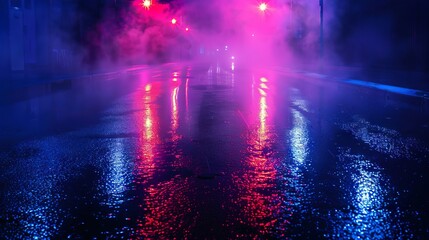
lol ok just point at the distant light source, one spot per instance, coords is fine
(147, 3)
(187, 29)
(263, 7)
(173, 21)
(263, 79)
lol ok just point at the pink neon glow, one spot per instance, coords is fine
(257, 33)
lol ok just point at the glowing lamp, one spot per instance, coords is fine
(263, 7)
(173, 21)
(147, 3)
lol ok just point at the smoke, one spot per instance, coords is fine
(286, 32)
(102, 33)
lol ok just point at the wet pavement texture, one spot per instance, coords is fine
(204, 151)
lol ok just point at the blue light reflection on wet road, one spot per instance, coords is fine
(192, 153)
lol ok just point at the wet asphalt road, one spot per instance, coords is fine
(201, 151)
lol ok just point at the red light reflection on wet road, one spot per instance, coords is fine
(148, 123)
(259, 206)
(166, 204)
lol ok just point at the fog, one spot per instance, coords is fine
(286, 32)
(73, 35)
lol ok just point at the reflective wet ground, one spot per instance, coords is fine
(204, 151)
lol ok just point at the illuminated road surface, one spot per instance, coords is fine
(202, 151)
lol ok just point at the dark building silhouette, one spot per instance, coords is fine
(42, 35)
(389, 34)
(4, 37)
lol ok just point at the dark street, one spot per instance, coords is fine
(214, 151)
(226, 119)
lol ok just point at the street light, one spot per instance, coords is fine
(147, 3)
(263, 7)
